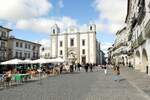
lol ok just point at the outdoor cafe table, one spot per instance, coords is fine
(21, 77)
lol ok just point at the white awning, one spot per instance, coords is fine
(11, 62)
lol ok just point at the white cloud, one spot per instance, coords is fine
(105, 46)
(44, 42)
(43, 25)
(114, 11)
(13, 10)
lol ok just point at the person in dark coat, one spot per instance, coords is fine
(78, 65)
(86, 67)
(71, 68)
(61, 68)
(91, 67)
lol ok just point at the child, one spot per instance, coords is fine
(105, 70)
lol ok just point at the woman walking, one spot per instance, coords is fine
(116, 70)
(118, 73)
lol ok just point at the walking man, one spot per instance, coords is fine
(91, 67)
(78, 65)
(86, 67)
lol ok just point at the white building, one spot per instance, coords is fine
(4, 34)
(138, 25)
(80, 47)
(120, 48)
(22, 49)
(45, 52)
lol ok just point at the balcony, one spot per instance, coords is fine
(141, 11)
(133, 23)
(119, 45)
(2, 48)
(147, 29)
(130, 36)
(141, 39)
(135, 44)
(124, 52)
(120, 53)
(3, 38)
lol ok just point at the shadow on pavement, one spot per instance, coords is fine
(123, 79)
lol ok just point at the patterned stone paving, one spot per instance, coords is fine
(77, 86)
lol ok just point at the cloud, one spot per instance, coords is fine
(105, 46)
(44, 42)
(12, 10)
(114, 11)
(43, 25)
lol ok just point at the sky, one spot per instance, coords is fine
(32, 19)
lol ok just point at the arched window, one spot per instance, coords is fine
(53, 31)
(91, 28)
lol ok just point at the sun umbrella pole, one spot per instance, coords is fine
(40, 70)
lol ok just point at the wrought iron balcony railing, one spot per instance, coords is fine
(141, 14)
(147, 29)
(140, 40)
(130, 36)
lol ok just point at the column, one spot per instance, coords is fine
(78, 47)
(66, 46)
(94, 47)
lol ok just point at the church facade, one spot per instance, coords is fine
(80, 47)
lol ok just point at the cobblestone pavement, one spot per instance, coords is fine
(139, 79)
(77, 86)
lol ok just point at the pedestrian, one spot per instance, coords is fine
(91, 67)
(71, 68)
(61, 68)
(116, 70)
(118, 73)
(78, 65)
(114, 73)
(105, 70)
(75, 67)
(86, 67)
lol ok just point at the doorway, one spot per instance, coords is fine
(83, 59)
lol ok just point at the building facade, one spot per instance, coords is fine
(137, 35)
(22, 49)
(45, 52)
(79, 47)
(4, 34)
(120, 48)
(138, 24)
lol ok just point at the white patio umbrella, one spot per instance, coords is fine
(40, 61)
(26, 61)
(49, 60)
(11, 62)
(57, 60)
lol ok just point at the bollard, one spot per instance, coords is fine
(146, 69)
